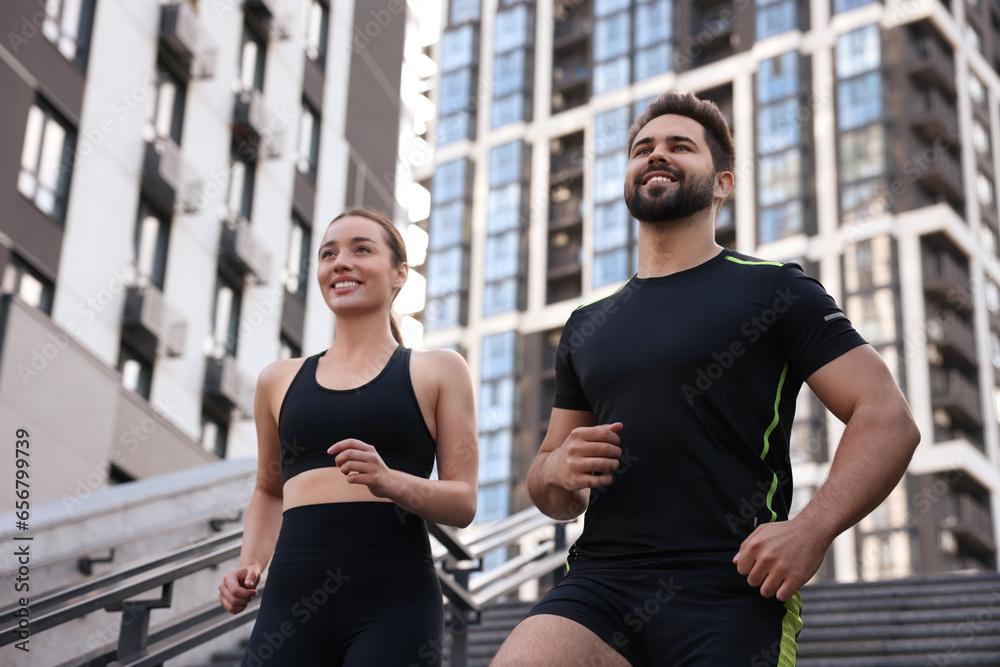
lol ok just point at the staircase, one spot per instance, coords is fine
(951, 620)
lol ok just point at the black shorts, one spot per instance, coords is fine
(681, 612)
(350, 585)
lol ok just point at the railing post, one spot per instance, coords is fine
(134, 631)
(560, 545)
(458, 626)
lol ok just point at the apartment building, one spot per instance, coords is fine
(864, 140)
(166, 172)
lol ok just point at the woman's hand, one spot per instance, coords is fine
(361, 464)
(238, 588)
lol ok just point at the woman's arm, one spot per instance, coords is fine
(263, 520)
(450, 499)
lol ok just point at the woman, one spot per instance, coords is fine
(347, 439)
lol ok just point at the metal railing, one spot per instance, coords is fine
(458, 555)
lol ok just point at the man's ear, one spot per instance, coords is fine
(724, 182)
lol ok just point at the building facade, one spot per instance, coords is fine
(166, 172)
(864, 139)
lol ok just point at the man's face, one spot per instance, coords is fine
(670, 173)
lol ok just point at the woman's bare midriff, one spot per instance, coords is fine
(324, 485)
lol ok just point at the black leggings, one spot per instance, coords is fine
(350, 585)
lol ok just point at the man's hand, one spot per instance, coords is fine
(238, 588)
(586, 451)
(781, 557)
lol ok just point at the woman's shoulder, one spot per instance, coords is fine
(445, 366)
(279, 372)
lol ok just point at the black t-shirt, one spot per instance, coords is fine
(702, 367)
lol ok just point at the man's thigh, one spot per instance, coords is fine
(546, 640)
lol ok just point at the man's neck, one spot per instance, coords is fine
(669, 248)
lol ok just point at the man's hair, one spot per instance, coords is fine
(705, 112)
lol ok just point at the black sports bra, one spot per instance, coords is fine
(383, 413)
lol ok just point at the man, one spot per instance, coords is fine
(674, 403)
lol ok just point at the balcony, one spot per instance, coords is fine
(935, 168)
(570, 73)
(254, 120)
(273, 14)
(957, 394)
(242, 251)
(947, 278)
(564, 259)
(931, 63)
(954, 337)
(566, 213)
(227, 385)
(168, 180)
(969, 521)
(152, 324)
(574, 29)
(182, 36)
(933, 115)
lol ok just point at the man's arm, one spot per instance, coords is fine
(872, 456)
(561, 475)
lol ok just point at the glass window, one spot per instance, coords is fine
(152, 236)
(611, 267)
(777, 222)
(611, 75)
(498, 355)
(168, 111)
(508, 73)
(980, 138)
(308, 142)
(652, 22)
(609, 176)
(252, 57)
(504, 209)
(495, 461)
(652, 61)
(67, 25)
(455, 92)
(847, 5)
(780, 177)
(512, 29)
(297, 266)
(214, 434)
(611, 130)
(778, 77)
(778, 126)
(775, 18)
(47, 160)
(608, 7)
(449, 181)
(447, 225)
(317, 26)
(225, 317)
(859, 101)
(862, 153)
(508, 109)
(499, 297)
(977, 90)
(458, 48)
(984, 189)
(241, 186)
(611, 226)
(464, 10)
(611, 37)
(868, 197)
(502, 249)
(452, 128)
(22, 279)
(858, 51)
(443, 312)
(137, 372)
(873, 314)
(444, 271)
(505, 164)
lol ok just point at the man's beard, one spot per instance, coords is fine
(687, 199)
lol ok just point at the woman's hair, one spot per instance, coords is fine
(705, 112)
(393, 238)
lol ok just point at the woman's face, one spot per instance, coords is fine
(356, 269)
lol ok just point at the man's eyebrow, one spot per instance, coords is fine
(675, 138)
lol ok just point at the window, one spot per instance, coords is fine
(447, 254)
(614, 232)
(977, 90)
(984, 189)
(214, 434)
(503, 233)
(781, 168)
(317, 25)
(464, 10)
(858, 51)
(67, 25)
(297, 268)
(241, 186)
(137, 371)
(308, 142)
(980, 138)
(47, 160)
(168, 107)
(497, 420)
(21, 279)
(253, 53)
(225, 318)
(847, 5)
(775, 17)
(513, 41)
(612, 39)
(152, 237)
(859, 101)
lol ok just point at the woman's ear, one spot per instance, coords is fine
(402, 273)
